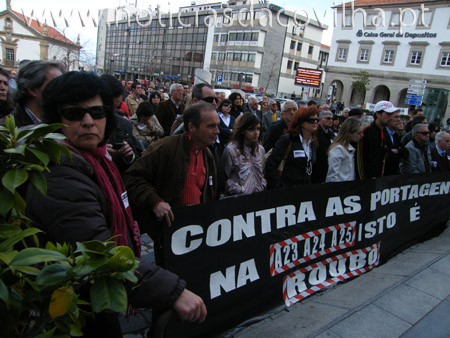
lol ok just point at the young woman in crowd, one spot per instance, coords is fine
(341, 162)
(293, 156)
(146, 127)
(6, 105)
(155, 99)
(86, 198)
(243, 158)
(226, 122)
(237, 102)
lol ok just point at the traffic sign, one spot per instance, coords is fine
(219, 78)
(416, 91)
(413, 102)
(414, 97)
(418, 82)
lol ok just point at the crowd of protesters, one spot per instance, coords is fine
(136, 154)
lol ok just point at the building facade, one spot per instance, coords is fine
(394, 43)
(25, 39)
(255, 46)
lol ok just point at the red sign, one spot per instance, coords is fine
(308, 77)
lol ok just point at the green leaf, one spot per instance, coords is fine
(4, 293)
(75, 331)
(8, 230)
(7, 202)
(20, 149)
(8, 256)
(88, 266)
(108, 293)
(43, 129)
(128, 275)
(38, 181)
(43, 157)
(32, 256)
(23, 134)
(6, 245)
(48, 334)
(55, 136)
(14, 179)
(123, 259)
(53, 274)
(10, 124)
(19, 204)
(61, 301)
(29, 270)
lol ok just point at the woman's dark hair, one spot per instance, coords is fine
(74, 88)
(154, 94)
(6, 106)
(233, 97)
(114, 84)
(300, 117)
(244, 122)
(145, 109)
(219, 108)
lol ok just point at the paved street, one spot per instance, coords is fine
(409, 296)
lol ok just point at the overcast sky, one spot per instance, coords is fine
(88, 34)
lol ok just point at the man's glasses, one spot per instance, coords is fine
(210, 99)
(327, 118)
(312, 120)
(425, 133)
(77, 113)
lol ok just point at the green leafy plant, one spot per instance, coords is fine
(48, 291)
(362, 81)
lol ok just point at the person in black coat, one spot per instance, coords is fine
(279, 128)
(325, 137)
(395, 149)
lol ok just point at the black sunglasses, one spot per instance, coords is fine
(424, 132)
(77, 113)
(312, 120)
(210, 99)
(226, 104)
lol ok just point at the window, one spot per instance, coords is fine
(234, 77)
(232, 36)
(254, 36)
(244, 57)
(248, 36)
(295, 66)
(216, 38)
(348, 20)
(292, 45)
(428, 18)
(236, 57)
(342, 54)
(299, 47)
(221, 56)
(388, 56)
(445, 59)
(248, 78)
(230, 56)
(9, 54)
(223, 38)
(416, 58)
(213, 56)
(310, 50)
(395, 20)
(364, 55)
(289, 65)
(251, 57)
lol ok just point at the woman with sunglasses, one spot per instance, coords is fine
(341, 154)
(86, 199)
(243, 158)
(226, 122)
(292, 158)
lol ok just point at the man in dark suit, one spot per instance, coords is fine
(325, 137)
(253, 107)
(279, 128)
(440, 154)
(395, 149)
(169, 110)
(270, 117)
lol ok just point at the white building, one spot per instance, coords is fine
(398, 42)
(23, 38)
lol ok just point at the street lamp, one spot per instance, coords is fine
(111, 61)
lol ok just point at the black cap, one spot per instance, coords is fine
(355, 111)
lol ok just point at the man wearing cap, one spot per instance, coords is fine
(325, 137)
(355, 113)
(440, 153)
(419, 159)
(373, 146)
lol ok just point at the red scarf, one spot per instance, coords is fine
(111, 184)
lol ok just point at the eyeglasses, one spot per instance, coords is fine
(425, 133)
(77, 113)
(226, 104)
(210, 99)
(327, 118)
(312, 120)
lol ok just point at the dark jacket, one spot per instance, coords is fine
(20, 117)
(167, 113)
(225, 132)
(275, 131)
(160, 175)
(443, 163)
(75, 209)
(392, 164)
(294, 172)
(320, 169)
(258, 113)
(372, 149)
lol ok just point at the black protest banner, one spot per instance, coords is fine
(249, 254)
